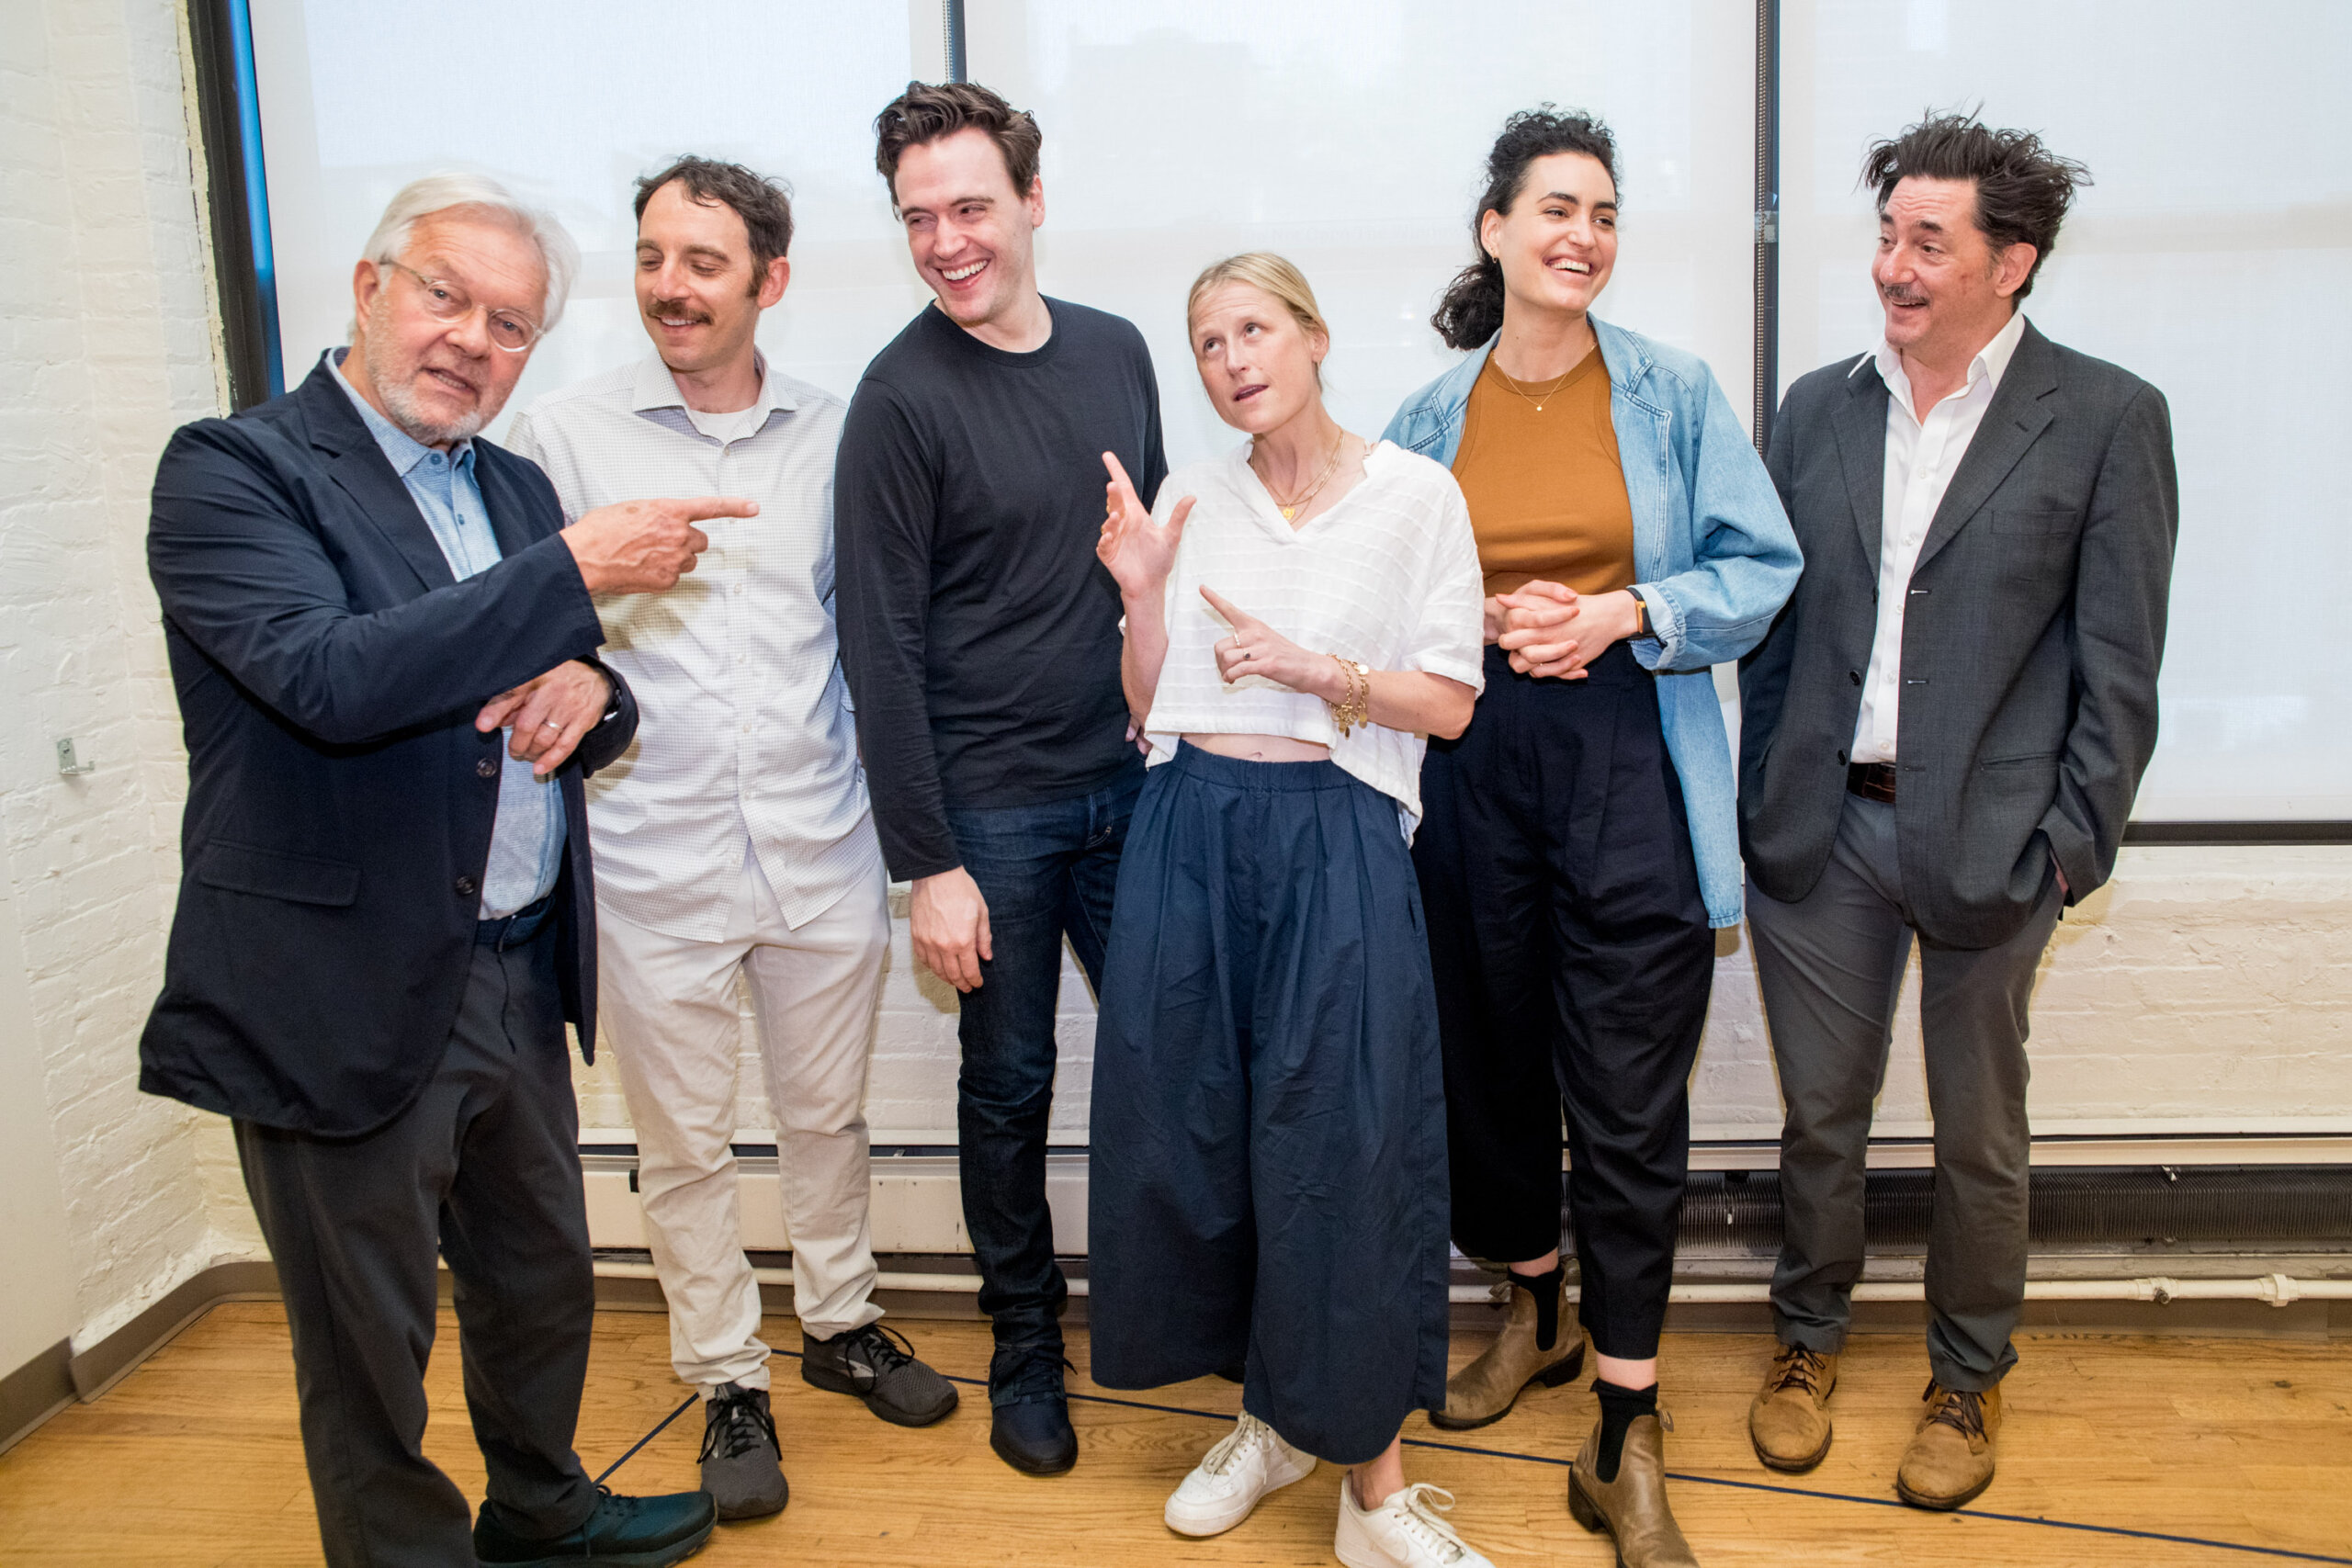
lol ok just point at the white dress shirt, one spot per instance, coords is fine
(746, 731)
(1921, 458)
(1389, 576)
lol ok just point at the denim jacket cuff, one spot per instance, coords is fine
(1655, 648)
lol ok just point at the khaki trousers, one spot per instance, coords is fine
(669, 1009)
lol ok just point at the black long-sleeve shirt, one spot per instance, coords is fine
(979, 633)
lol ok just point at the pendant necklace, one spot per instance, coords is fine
(1290, 509)
(1536, 400)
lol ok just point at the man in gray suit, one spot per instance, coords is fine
(1942, 737)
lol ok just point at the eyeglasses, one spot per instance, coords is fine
(447, 301)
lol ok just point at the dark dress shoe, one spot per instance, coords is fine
(1029, 1424)
(624, 1532)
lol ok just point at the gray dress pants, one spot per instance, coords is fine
(1831, 966)
(484, 1166)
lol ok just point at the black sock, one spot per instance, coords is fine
(1546, 1289)
(1618, 1408)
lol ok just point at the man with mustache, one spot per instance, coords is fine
(1942, 736)
(383, 639)
(736, 839)
(981, 637)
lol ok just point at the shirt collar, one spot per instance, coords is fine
(1990, 364)
(403, 450)
(657, 389)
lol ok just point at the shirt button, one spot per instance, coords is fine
(487, 768)
(467, 887)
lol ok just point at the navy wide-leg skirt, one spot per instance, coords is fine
(1268, 1182)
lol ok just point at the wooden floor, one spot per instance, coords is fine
(2244, 1447)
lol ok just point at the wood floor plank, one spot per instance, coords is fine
(195, 1461)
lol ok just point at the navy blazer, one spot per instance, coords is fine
(329, 666)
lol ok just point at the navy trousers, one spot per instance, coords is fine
(1573, 963)
(1268, 1183)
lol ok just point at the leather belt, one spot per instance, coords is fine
(1872, 781)
(514, 929)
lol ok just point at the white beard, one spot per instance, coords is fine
(399, 397)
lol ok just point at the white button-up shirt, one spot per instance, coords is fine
(1921, 458)
(746, 730)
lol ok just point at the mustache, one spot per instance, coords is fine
(1899, 295)
(678, 310)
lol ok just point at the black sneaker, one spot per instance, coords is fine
(877, 1365)
(741, 1469)
(624, 1532)
(1029, 1426)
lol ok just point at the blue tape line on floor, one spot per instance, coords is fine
(1683, 1476)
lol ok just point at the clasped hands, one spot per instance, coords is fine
(1551, 630)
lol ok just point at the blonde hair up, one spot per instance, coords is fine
(1267, 271)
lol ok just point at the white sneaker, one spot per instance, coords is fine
(1246, 1463)
(1403, 1532)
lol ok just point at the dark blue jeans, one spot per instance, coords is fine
(1048, 872)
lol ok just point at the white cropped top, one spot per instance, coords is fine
(1389, 576)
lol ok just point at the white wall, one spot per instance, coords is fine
(106, 344)
(2204, 991)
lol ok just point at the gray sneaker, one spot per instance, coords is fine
(741, 1469)
(878, 1366)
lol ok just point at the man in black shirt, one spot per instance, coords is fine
(982, 640)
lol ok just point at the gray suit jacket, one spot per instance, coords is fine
(2030, 643)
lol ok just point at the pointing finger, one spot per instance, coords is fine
(703, 506)
(1235, 617)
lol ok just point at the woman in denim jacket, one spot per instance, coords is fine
(1579, 847)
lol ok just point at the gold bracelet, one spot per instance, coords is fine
(1351, 708)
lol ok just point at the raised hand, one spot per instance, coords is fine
(1256, 649)
(644, 547)
(1140, 552)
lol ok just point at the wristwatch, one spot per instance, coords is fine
(1641, 613)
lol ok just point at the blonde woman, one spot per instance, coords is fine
(1268, 1176)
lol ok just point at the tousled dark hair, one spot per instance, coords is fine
(764, 205)
(1472, 311)
(927, 111)
(2023, 189)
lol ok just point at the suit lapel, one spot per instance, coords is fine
(359, 465)
(509, 507)
(2016, 420)
(1860, 427)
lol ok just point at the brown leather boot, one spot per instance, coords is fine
(1487, 1389)
(1632, 1509)
(1950, 1459)
(1788, 1418)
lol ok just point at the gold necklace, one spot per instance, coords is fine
(1537, 399)
(1291, 510)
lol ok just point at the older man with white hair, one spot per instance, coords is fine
(383, 641)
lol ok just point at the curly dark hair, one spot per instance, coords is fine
(1472, 311)
(2023, 189)
(763, 204)
(927, 111)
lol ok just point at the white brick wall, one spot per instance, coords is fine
(2203, 991)
(107, 344)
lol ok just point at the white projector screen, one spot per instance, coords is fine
(2212, 256)
(569, 101)
(1348, 134)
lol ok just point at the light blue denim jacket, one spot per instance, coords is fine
(1712, 548)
